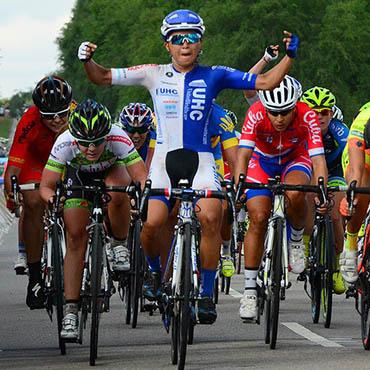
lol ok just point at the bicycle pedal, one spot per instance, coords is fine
(250, 321)
(301, 277)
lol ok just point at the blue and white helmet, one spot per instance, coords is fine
(182, 20)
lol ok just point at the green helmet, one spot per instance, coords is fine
(365, 106)
(90, 121)
(318, 98)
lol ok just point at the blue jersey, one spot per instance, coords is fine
(334, 142)
(183, 101)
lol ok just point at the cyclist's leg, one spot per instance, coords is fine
(32, 230)
(76, 218)
(210, 218)
(297, 172)
(348, 258)
(259, 208)
(151, 241)
(228, 268)
(20, 264)
(119, 217)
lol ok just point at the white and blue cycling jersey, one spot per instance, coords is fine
(183, 101)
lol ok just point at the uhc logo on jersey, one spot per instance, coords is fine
(165, 91)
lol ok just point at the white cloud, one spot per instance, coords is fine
(27, 45)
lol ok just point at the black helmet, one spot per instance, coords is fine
(90, 121)
(52, 94)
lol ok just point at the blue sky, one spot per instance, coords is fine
(28, 52)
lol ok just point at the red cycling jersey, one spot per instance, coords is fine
(302, 136)
(31, 146)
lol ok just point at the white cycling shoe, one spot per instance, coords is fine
(248, 307)
(348, 266)
(70, 326)
(121, 258)
(297, 258)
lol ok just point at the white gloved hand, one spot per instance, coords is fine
(85, 52)
(270, 54)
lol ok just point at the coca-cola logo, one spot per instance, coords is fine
(25, 131)
(252, 119)
(310, 118)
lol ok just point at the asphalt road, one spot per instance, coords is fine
(28, 339)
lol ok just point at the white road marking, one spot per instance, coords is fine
(311, 336)
(235, 294)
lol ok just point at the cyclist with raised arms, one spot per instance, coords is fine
(356, 166)
(91, 149)
(34, 137)
(136, 119)
(273, 142)
(334, 135)
(183, 93)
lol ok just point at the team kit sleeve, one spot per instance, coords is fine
(248, 137)
(60, 154)
(235, 79)
(137, 75)
(124, 149)
(340, 132)
(315, 144)
(21, 142)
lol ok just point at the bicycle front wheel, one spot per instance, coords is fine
(57, 258)
(138, 270)
(365, 287)
(327, 249)
(96, 296)
(276, 275)
(314, 274)
(185, 302)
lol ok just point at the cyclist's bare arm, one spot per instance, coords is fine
(96, 73)
(138, 172)
(231, 156)
(258, 68)
(244, 156)
(319, 168)
(9, 172)
(272, 78)
(149, 157)
(48, 184)
(356, 165)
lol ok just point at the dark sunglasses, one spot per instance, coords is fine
(191, 38)
(133, 130)
(323, 112)
(282, 112)
(53, 116)
(88, 143)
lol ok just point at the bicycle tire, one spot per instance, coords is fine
(240, 257)
(327, 276)
(174, 338)
(137, 278)
(96, 274)
(223, 281)
(314, 275)
(58, 281)
(128, 298)
(185, 309)
(364, 300)
(227, 285)
(215, 289)
(267, 313)
(276, 280)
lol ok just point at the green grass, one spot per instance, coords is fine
(5, 126)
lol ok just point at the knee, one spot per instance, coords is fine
(211, 222)
(258, 220)
(77, 239)
(33, 204)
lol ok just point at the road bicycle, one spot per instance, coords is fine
(181, 278)
(97, 280)
(273, 273)
(360, 290)
(52, 256)
(321, 264)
